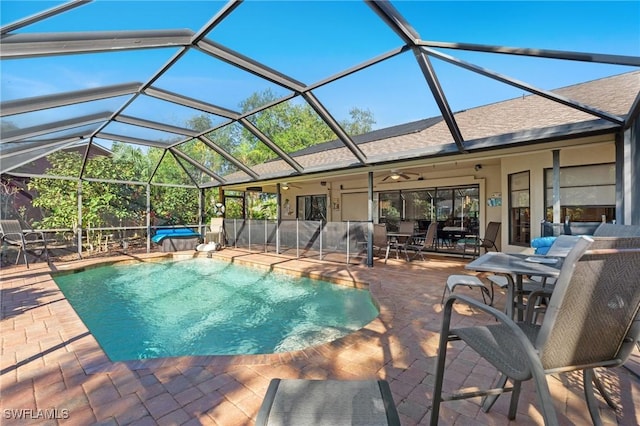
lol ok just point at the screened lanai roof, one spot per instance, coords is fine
(312, 86)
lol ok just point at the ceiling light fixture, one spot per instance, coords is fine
(395, 175)
(284, 186)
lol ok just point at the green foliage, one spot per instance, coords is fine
(361, 122)
(262, 206)
(290, 125)
(174, 206)
(134, 160)
(233, 208)
(103, 204)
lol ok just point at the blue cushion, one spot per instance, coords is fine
(173, 233)
(542, 250)
(542, 244)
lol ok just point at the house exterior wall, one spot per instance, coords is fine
(536, 162)
(347, 195)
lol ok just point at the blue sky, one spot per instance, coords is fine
(310, 41)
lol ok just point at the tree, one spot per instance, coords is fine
(361, 122)
(291, 125)
(103, 204)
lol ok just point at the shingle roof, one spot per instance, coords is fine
(518, 120)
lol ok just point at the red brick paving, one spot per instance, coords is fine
(49, 360)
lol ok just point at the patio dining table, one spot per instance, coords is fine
(403, 238)
(518, 265)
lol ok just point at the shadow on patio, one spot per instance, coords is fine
(53, 368)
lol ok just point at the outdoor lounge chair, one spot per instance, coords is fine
(592, 321)
(328, 403)
(32, 242)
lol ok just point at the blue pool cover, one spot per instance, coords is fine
(161, 234)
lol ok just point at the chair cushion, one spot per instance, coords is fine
(497, 344)
(328, 402)
(470, 280)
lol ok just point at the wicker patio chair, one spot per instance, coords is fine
(591, 321)
(32, 242)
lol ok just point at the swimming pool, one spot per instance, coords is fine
(209, 307)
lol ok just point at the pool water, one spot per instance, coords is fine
(209, 307)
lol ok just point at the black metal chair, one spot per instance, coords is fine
(32, 242)
(591, 321)
(380, 239)
(486, 243)
(421, 244)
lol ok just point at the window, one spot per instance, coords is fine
(312, 207)
(234, 205)
(390, 209)
(458, 206)
(587, 193)
(420, 207)
(519, 213)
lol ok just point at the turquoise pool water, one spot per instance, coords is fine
(209, 307)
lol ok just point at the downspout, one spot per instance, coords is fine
(148, 218)
(556, 186)
(79, 236)
(278, 216)
(370, 221)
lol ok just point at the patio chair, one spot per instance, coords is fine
(613, 230)
(486, 243)
(380, 239)
(32, 242)
(407, 227)
(421, 244)
(592, 321)
(328, 402)
(561, 247)
(399, 243)
(470, 281)
(216, 233)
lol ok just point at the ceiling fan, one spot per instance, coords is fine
(286, 185)
(397, 175)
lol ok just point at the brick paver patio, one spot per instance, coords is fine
(52, 367)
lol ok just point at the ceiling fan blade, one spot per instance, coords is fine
(404, 176)
(388, 177)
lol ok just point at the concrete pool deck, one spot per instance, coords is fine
(53, 371)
